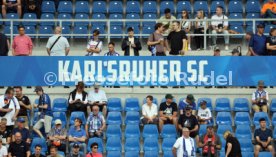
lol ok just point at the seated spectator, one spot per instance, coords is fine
(131, 45)
(216, 51)
(24, 131)
(95, 45)
(167, 112)
(95, 124)
(260, 98)
(156, 42)
(33, 6)
(75, 152)
(45, 113)
(5, 134)
(54, 152)
(22, 44)
(263, 138)
(232, 146)
(3, 150)
(4, 44)
(199, 29)
(236, 52)
(57, 136)
(271, 42)
(220, 26)
(190, 100)
(210, 143)
(204, 113)
(19, 148)
(77, 135)
(149, 112)
(186, 26)
(98, 97)
(166, 20)
(11, 6)
(111, 50)
(37, 152)
(94, 151)
(78, 99)
(257, 44)
(269, 10)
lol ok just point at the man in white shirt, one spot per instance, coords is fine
(204, 114)
(3, 150)
(149, 112)
(98, 97)
(184, 146)
(94, 46)
(260, 98)
(220, 26)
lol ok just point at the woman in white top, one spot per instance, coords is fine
(204, 114)
(94, 46)
(199, 29)
(186, 25)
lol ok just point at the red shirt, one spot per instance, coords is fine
(22, 45)
(94, 155)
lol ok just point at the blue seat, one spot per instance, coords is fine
(60, 104)
(273, 119)
(209, 103)
(133, 16)
(237, 16)
(47, 16)
(48, 7)
(114, 118)
(243, 131)
(153, 153)
(65, 7)
(82, 7)
(65, 16)
(268, 28)
(274, 132)
(149, 16)
(132, 104)
(149, 7)
(155, 101)
(116, 31)
(113, 131)
(61, 116)
(252, 6)
(114, 153)
(223, 128)
(265, 154)
(115, 7)
(117, 18)
(241, 105)
(132, 154)
(99, 7)
(222, 105)
(150, 131)
(224, 118)
(99, 141)
(242, 118)
(167, 4)
(100, 17)
(246, 144)
(168, 144)
(215, 4)
(29, 16)
(133, 7)
(183, 5)
(235, 7)
(30, 31)
(247, 154)
(201, 5)
(252, 16)
(40, 141)
(100, 28)
(132, 117)
(273, 105)
(238, 29)
(114, 104)
(132, 144)
(114, 144)
(202, 129)
(132, 131)
(12, 16)
(258, 115)
(45, 31)
(147, 30)
(168, 131)
(81, 30)
(81, 16)
(79, 115)
(151, 144)
(168, 153)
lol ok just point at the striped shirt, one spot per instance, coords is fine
(95, 122)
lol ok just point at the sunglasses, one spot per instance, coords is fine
(95, 147)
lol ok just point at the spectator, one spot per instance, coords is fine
(184, 145)
(168, 112)
(33, 6)
(190, 100)
(186, 26)
(271, 42)
(54, 152)
(37, 152)
(98, 97)
(25, 133)
(269, 10)
(57, 136)
(78, 99)
(5, 134)
(166, 20)
(232, 146)
(204, 113)
(257, 44)
(95, 45)
(22, 44)
(177, 39)
(45, 113)
(149, 112)
(11, 6)
(260, 98)
(131, 45)
(4, 45)
(216, 51)
(111, 50)
(19, 148)
(94, 151)
(210, 143)
(75, 151)
(236, 52)
(95, 124)
(77, 135)
(3, 150)
(220, 26)
(263, 138)
(248, 37)
(199, 29)
(25, 105)
(58, 45)
(156, 41)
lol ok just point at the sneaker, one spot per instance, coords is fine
(226, 48)
(189, 49)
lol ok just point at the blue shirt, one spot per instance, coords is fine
(24, 132)
(45, 99)
(263, 135)
(112, 54)
(183, 104)
(73, 132)
(258, 44)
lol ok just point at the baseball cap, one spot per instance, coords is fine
(58, 121)
(190, 97)
(203, 102)
(217, 48)
(261, 83)
(260, 26)
(75, 145)
(188, 107)
(38, 88)
(169, 96)
(21, 120)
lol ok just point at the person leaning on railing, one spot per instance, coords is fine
(269, 10)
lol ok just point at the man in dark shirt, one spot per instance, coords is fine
(24, 132)
(257, 44)
(37, 152)
(4, 45)
(271, 42)
(5, 134)
(177, 39)
(19, 148)
(75, 151)
(189, 121)
(232, 146)
(263, 138)
(33, 6)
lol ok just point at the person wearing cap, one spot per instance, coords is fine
(257, 44)
(204, 114)
(271, 42)
(269, 10)
(263, 137)
(149, 112)
(75, 151)
(260, 98)
(45, 113)
(78, 99)
(24, 131)
(19, 148)
(185, 145)
(131, 45)
(5, 134)
(94, 151)
(190, 100)
(95, 45)
(57, 136)
(54, 152)
(232, 146)
(3, 150)
(167, 112)
(210, 143)
(98, 97)
(216, 51)
(95, 123)
(37, 152)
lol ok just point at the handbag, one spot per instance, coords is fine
(152, 48)
(54, 43)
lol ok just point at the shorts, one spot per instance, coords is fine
(46, 122)
(12, 9)
(168, 121)
(101, 108)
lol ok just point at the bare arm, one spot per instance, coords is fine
(28, 153)
(270, 47)
(13, 52)
(10, 155)
(18, 3)
(252, 51)
(195, 129)
(174, 152)
(48, 51)
(86, 130)
(229, 148)
(8, 43)
(151, 43)
(67, 49)
(225, 27)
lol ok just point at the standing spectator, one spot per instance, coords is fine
(232, 146)
(156, 41)
(186, 26)
(177, 39)
(22, 44)
(58, 45)
(95, 124)
(33, 6)
(19, 148)
(77, 135)
(75, 151)
(269, 10)
(4, 45)
(166, 20)
(216, 51)
(189, 101)
(11, 6)
(167, 112)
(204, 113)
(189, 121)
(260, 98)
(3, 150)
(25, 133)
(25, 105)
(98, 97)
(236, 52)
(5, 134)
(111, 50)
(131, 45)
(184, 145)
(54, 152)
(248, 37)
(263, 138)
(94, 151)
(95, 45)
(57, 136)
(149, 112)
(220, 26)
(78, 99)
(45, 113)
(257, 44)
(271, 42)
(199, 29)
(37, 152)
